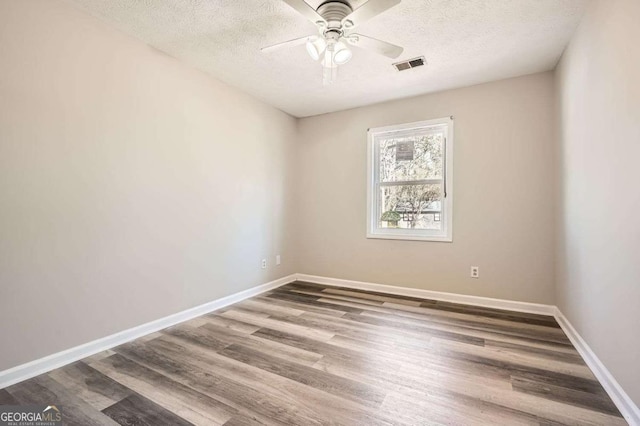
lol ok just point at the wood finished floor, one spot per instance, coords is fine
(306, 354)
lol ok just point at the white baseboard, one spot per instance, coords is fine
(620, 398)
(627, 407)
(51, 362)
(486, 302)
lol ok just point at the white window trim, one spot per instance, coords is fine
(446, 235)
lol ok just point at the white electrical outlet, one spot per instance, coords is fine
(475, 272)
(277, 259)
(264, 263)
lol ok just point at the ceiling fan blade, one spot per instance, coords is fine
(367, 11)
(305, 10)
(382, 47)
(285, 44)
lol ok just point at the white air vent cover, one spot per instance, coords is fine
(411, 63)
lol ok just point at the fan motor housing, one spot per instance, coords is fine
(334, 12)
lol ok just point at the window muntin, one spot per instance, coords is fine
(409, 194)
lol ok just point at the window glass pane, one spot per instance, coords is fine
(410, 207)
(412, 157)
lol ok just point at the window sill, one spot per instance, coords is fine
(432, 238)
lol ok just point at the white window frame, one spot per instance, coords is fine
(373, 185)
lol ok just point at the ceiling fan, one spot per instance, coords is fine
(336, 21)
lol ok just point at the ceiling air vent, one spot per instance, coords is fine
(411, 63)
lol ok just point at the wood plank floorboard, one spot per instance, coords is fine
(309, 354)
(135, 410)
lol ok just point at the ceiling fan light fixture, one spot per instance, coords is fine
(335, 20)
(315, 47)
(342, 53)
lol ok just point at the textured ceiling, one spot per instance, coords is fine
(465, 42)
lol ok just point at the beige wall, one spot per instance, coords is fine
(598, 282)
(131, 186)
(503, 194)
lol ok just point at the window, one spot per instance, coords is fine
(409, 193)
